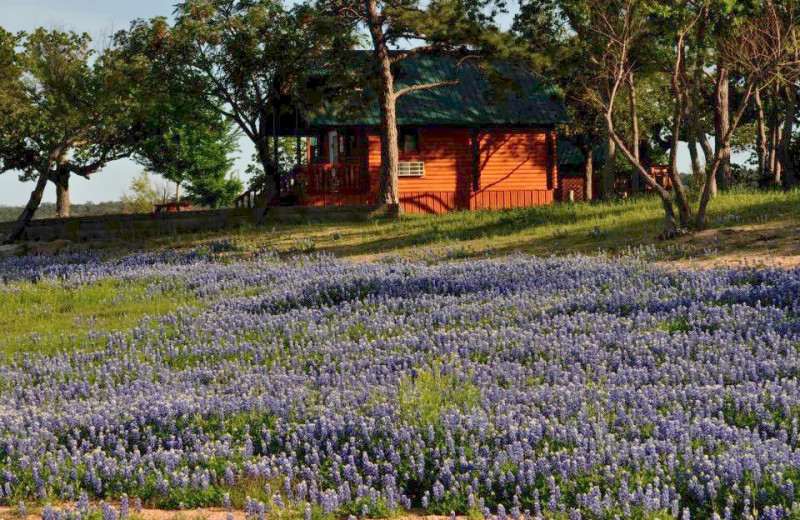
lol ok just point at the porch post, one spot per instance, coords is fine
(297, 135)
(552, 160)
(476, 160)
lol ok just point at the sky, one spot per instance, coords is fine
(101, 18)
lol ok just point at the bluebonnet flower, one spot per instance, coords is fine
(124, 507)
(552, 370)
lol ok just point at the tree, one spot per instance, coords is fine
(73, 113)
(144, 194)
(254, 58)
(565, 31)
(463, 28)
(196, 154)
(187, 140)
(760, 50)
(556, 51)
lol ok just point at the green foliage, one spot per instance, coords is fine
(187, 139)
(253, 59)
(66, 109)
(195, 152)
(144, 194)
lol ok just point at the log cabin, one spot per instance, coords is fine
(481, 144)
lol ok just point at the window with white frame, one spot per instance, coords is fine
(411, 169)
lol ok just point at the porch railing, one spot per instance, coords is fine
(247, 199)
(335, 178)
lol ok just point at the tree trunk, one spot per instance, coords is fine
(773, 148)
(27, 214)
(670, 225)
(390, 153)
(607, 174)
(786, 139)
(589, 173)
(722, 109)
(684, 210)
(761, 137)
(275, 157)
(778, 153)
(297, 151)
(62, 195)
(635, 177)
(773, 137)
(268, 165)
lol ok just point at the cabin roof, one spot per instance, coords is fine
(510, 95)
(569, 154)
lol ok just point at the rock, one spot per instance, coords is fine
(11, 249)
(49, 248)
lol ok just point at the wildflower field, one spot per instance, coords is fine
(560, 388)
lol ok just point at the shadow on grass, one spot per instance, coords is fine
(559, 229)
(552, 228)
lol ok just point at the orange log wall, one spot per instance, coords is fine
(515, 170)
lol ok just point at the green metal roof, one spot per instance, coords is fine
(569, 154)
(522, 99)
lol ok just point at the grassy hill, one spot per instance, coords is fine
(753, 224)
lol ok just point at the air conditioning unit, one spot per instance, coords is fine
(411, 169)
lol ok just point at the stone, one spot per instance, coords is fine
(11, 249)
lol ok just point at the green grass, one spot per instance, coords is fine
(612, 227)
(46, 317)
(426, 397)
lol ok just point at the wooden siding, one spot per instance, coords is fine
(433, 201)
(444, 201)
(516, 170)
(447, 156)
(513, 160)
(507, 199)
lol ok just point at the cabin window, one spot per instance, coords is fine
(411, 169)
(409, 140)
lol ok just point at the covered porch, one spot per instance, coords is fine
(331, 169)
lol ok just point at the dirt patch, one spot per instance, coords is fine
(732, 261)
(760, 245)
